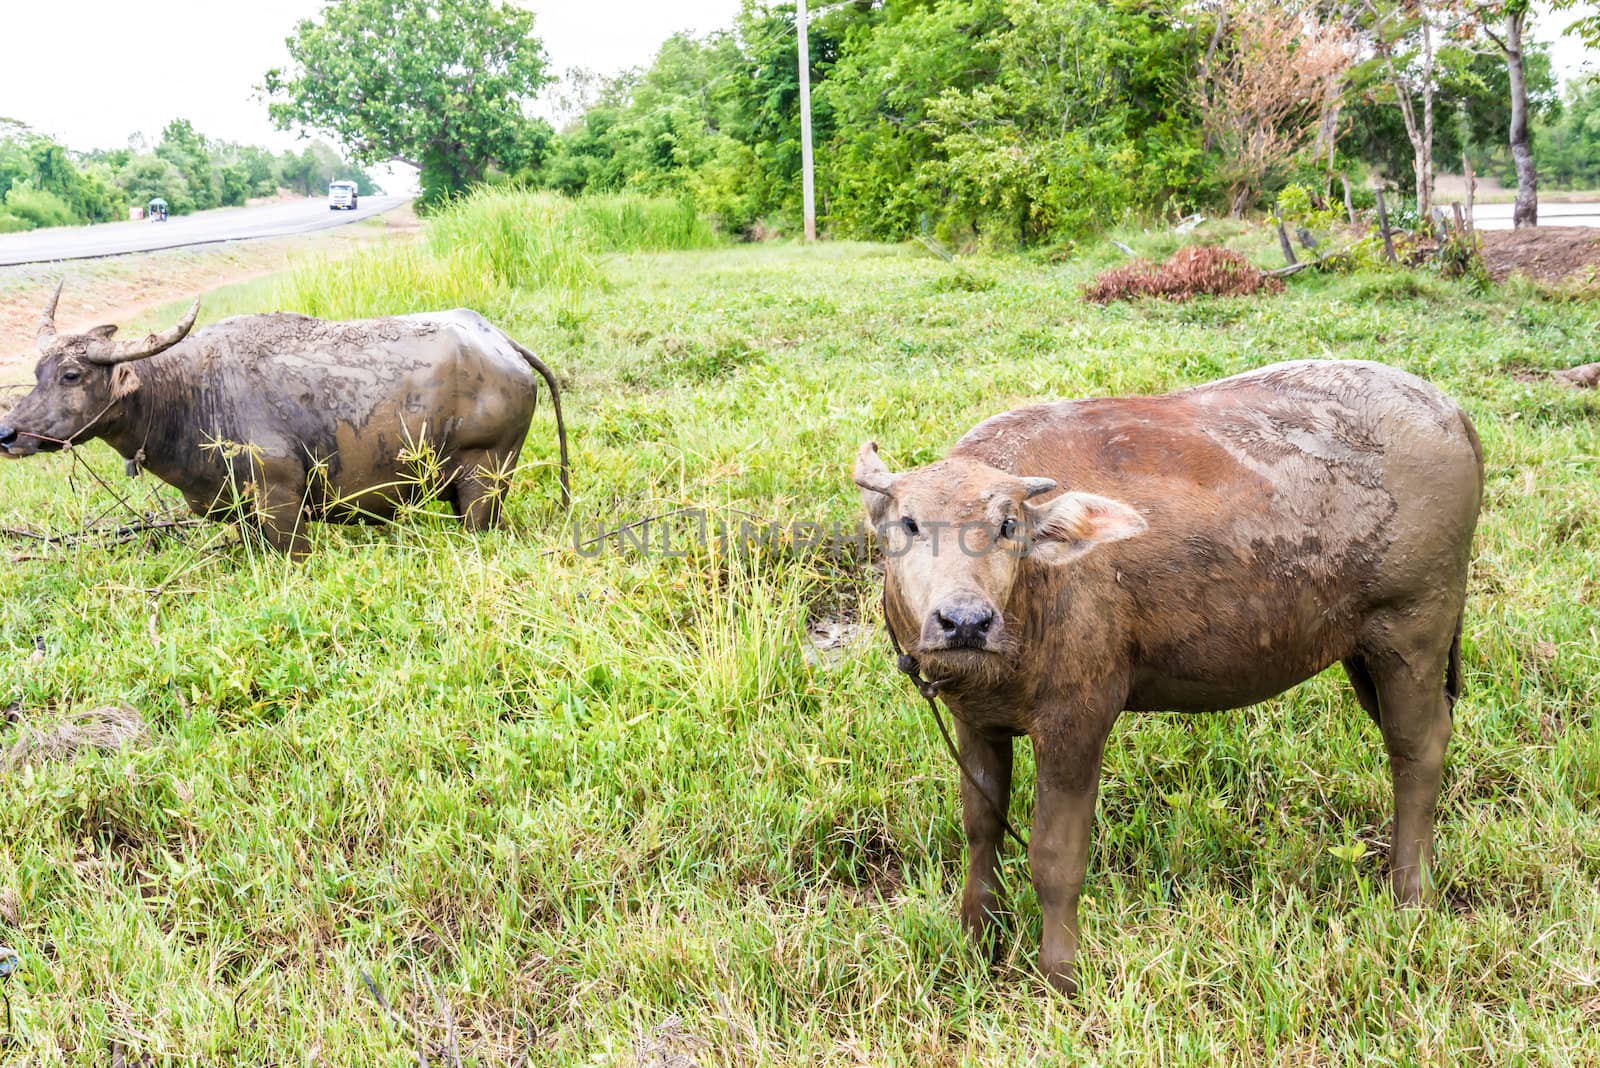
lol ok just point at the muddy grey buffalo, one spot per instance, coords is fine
(1193, 552)
(276, 419)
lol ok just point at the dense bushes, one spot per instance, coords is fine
(1018, 122)
(1002, 121)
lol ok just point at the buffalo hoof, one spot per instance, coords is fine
(1408, 889)
(1062, 976)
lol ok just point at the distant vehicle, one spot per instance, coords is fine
(342, 196)
(156, 210)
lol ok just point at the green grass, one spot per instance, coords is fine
(496, 250)
(612, 810)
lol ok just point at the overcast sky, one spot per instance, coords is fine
(91, 72)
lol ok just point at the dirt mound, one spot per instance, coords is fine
(1585, 377)
(1190, 271)
(1543, 253)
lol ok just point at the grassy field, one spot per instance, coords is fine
(622, 809)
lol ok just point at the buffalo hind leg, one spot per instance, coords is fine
(479, 490)
(988, 758)
(1415, 720)
(1063, 825)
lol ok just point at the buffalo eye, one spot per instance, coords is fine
(71, 377)
(1008, 529)
(910, 526)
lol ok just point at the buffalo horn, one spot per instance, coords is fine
(47, 323)
(114, 352)
(1033, 486)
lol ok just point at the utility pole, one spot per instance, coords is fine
(807, 166)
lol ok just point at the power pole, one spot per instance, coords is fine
(807, 166)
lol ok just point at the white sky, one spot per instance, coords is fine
(91, 72)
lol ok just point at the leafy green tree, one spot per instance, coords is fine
(308, 172)
(149, 176)
(1473, 97)
(442, 85)
(183, 146)
(584, 158)
(1569, 140)
(53, 187)
(246, 171)
(882, 92)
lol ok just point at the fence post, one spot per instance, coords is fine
(1283, 240)
(1383, 225)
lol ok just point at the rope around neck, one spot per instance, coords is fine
(929, 689)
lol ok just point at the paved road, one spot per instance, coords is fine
(1498, 216)
(207, 227)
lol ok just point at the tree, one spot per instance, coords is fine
(1267, 83)
(1412, 78)
(147, 177)
(1515, 14)
(441, 85)
(183, 146)
(1569, 146)
(51, 185)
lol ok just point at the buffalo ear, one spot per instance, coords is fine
(876, 483)
(104, 333)
(124, 380)
(1075, 523)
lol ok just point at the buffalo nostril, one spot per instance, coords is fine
(964, 623)
(8, 434)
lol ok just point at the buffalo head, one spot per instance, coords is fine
(79, 383)
(957, 534)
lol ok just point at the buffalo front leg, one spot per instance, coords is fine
(988, 760)
(265, 497)
(1058, 849)
(1415, 720)
(280, 515)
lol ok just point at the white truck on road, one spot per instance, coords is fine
(342, 196)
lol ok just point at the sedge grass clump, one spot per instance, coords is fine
(494, 249)
(390, 280)
(629, 222)
(527, 240)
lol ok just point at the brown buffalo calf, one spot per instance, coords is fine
(1198, 551)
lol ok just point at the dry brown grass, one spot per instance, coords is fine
(65, 738)
(1190, 271)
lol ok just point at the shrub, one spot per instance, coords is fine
(38, 208)
(1188, 272)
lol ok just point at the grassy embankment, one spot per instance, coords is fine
(619, 810)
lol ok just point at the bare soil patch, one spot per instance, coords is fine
(1543, 253)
